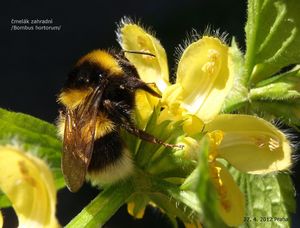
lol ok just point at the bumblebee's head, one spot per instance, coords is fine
(85, 75)
(91, 68)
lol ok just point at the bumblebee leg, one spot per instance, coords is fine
(127, 66)
(147, 137)
(117, 109)
(136, 83)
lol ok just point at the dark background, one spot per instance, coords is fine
(34, 64)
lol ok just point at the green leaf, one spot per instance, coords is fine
(272, 37)
(103, 206)
(281, 87)
(35, 136)
(278, 98)
(269, 199)
(199, 181)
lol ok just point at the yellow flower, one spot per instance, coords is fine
(231, 203)
(203, 74)
(152, 70)
(28, 183)
(251, 144)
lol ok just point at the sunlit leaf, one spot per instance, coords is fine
(269, 199)
(272, 37)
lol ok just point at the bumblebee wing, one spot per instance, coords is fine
(80, 126)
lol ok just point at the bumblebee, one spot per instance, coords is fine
(97, 100)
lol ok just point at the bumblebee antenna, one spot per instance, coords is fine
(139, 52)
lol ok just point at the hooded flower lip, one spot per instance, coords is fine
(231, 203)
(28, 183)
(203, 73)
(251, 144)
(151, 69)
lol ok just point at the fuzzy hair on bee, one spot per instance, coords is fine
(98, 99)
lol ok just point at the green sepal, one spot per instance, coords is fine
(140, 202)
(4, 201)
(175, 202)
(238, 94)
(279, 88)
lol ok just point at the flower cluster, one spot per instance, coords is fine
(205, 75)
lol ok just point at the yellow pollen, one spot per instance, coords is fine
(216, 138)
(226, 204)
(141, 41)
(23, 168)
(212, 155)
(266, 141)
(210, 66)
(220, 187)
(25, 173)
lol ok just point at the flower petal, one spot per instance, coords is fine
(192, 124)
(151, 69)
(135, 211)
(29, 185)
(172, 98)
(231, 199)
(1, 219)
(252, 144)
(203, 72)
(145, 104)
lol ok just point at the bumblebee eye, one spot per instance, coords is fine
(83, 80)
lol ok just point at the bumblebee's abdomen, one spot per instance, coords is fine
(111, 161)
(107, 150)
